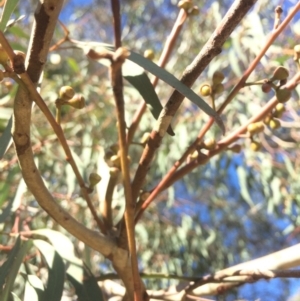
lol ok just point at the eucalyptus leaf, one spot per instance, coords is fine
(8, 9)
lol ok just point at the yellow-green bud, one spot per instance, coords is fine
(279, 110)
(283, 94)
(274, 124)
(255, 146)
(205, 90)
(256, 127)
(217, 77)
(218, 88)
(77, 102)
(3, 56)
(149, 54)
(280, 73)
(209, 143)
(66, 93)
(94, 179)
(185, 4)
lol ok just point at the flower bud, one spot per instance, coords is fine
(218, 88)
(283, 94)
(194, 11)
(280, 73)
(77, 102)
(217, 77)
(94, 179)
(185, 4)
(274, 124)
(256, 127)
(205, 90)
(209, 143)
(66, 93)
(279, 110)
(255, 146)
(266, 87)
(149, 54)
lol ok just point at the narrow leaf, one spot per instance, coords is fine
(6, 266)
(56, 270)
(17, 261)
(5, 139)
(8, 9)
(161, 73)
(34, 289)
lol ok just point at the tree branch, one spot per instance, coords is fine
(45, 19)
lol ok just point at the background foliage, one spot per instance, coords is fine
(234, 208)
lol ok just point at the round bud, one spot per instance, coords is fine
(202, 158)
(149, 54)
(218, 88)
(209, 143)
(279, 110)
(194, 11)
(274, 124)
(194, 155)
(114, 171)
(236, 148)
(217, 77)
(256, 127)
(267, 119)
(255, 146)
(283, 94)
(296, 52)
(115, 161)
(3, 56)
(266, 87)
(185, 4)
(205, 90)
(94, 179)
(280, 73)
(77, 102)
(66, 92)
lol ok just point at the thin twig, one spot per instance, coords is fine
(192, 72)
(170, 176)
(117, 86)
(56, 127)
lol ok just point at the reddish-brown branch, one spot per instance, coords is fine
(192, 72)
(170, 176)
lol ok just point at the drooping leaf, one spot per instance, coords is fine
(8, 9)
(87, 288)
(13, 203)
(14, 268)
(56, 270)
(244, 189)
(61, 243)
(34, 289)
(162, 74)
(6, 266)
(5, 139)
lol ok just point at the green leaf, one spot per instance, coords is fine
(172, 81)
(5, 139)
(13, 203)
(14, 268)
(143, 84)
(34, 289)
(56, 270)
(242, 175)
(87, 289)
(6, 266)
(61, 243)
(8, 9)
(161, 73)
